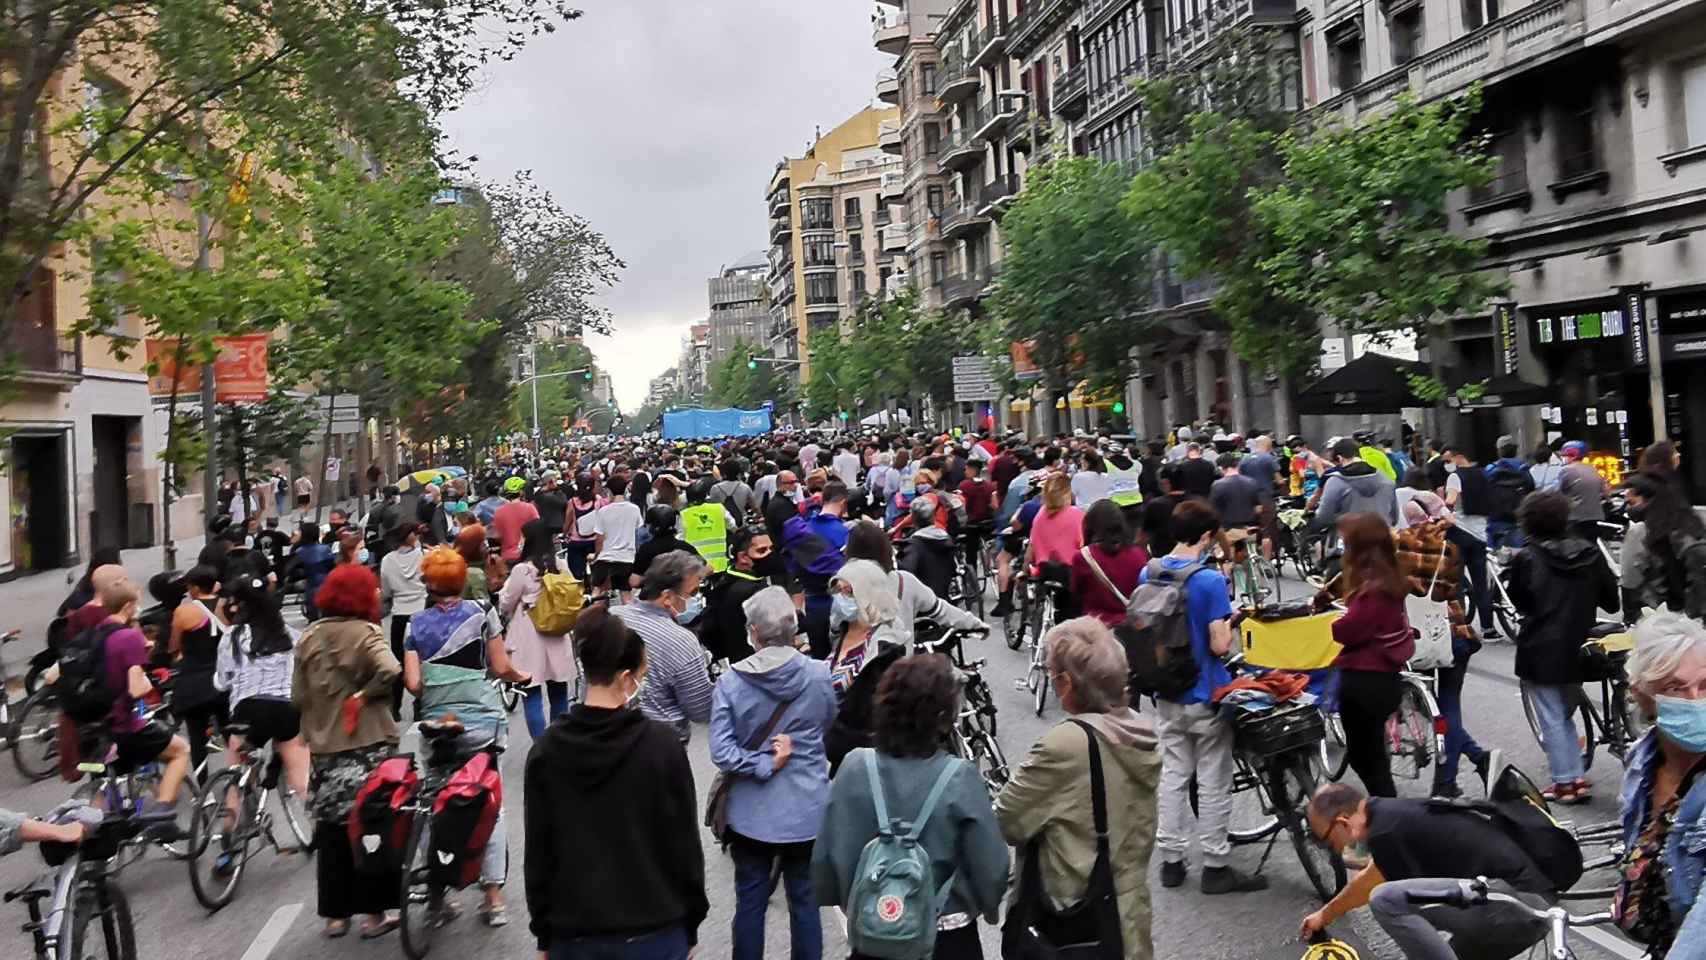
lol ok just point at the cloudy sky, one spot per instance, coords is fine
(660, 122)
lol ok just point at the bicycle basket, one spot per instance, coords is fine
(1597, 663)
(1284, 729)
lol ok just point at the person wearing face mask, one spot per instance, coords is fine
(753, 562)
(612, 858)
(679, 692)
(1663, 799)
(768, 718)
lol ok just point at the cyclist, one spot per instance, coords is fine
(17, 829)
(194, 646)
(452, 645)
(928, 553)
(254, 670)
(1108, 567)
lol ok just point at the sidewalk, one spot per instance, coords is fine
(28, 602)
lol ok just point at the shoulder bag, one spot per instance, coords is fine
(1089, 929)
(717, 801)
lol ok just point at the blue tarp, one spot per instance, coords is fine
(698, 424)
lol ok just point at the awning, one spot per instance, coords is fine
(1082, 397)
(1020, 406)
(1372, 383)
(1504, 390)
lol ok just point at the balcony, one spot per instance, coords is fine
(1029, 29)
(889, 136)
(993, 115)
(1505, 191)
(956, 81)
(994, 198)
(891, 31)
(881, 217)
(779, 204)
(1030, 131)
(855, 258)
(962, 289)
(894, 185)
(1072, 92)
(960, 152)
(991, 43)
(888, 86)
(963, 220)
(894, 237)
(45, 355)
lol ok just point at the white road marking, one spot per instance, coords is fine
(1617, 946)
(273, 932)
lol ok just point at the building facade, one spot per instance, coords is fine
(910, 239)
(739, 303)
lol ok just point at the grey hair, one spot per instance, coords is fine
(1085, 650)
(770, 614)
(1662, 639)
(668, 572)
(877, 599)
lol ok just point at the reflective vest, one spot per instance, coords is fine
(1122, 485)
(704, 530)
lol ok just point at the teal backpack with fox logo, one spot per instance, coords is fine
(895, 901)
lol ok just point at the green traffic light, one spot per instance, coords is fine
(751, 364)
(843, 415)
(589, 374)
(1119, 406)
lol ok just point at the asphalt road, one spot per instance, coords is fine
(274, 914)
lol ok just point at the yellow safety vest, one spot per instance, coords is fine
(1122, 486)
(704, 530)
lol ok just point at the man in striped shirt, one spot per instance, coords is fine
(677, 689)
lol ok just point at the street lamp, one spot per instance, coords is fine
(534, 380)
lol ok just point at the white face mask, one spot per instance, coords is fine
(1451, 468)
(633, 700)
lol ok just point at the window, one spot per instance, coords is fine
(932, 139)
(856, 242)
(883, 276)
(851, 207)
(820, 253)
(1307, 43)
(817, 214)
(1478, 13)
(1511, 175)
(938, 268)
(858, 285)
(933, 201)
(821, 289)
(927, 78)
(1406, 28)
(1694, 102)
(1578, 145)
(1347, 57)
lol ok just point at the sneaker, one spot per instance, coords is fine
(1172, 873)
(1217, 880)
(1445, 790)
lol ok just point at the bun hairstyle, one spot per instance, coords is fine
(606, 645)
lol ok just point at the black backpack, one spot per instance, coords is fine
(1505, 490)
(82, 686)
(1516, 807)
(1156, 635)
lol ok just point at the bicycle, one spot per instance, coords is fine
(31, 730)
(1602, 860)
(1255, 578)
(1610, 720)
(422, 896)
(973, 735)
(967, 587)
(1478, 892)
(236, 827)
(78, 892)
(1415, 732)
(1018, 617)
(1043, 615)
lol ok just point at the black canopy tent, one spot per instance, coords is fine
(1372, 383)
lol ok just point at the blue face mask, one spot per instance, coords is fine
(921, 489)
(1683, 722)
(695, 606)
(842, 611)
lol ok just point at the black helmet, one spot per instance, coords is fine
(660, 518)
(700, 490)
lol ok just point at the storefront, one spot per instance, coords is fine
(1596, 354)
(1682, 348)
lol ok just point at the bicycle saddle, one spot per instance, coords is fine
(432, 730)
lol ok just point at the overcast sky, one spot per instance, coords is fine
(660, 122)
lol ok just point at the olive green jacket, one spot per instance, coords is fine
(1049, 796)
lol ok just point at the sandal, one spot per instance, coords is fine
(373, 931)
(1583, 790)
(335, 929)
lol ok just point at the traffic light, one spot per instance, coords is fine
(588, 373)
(843, 416)
(751, 364)
(1119, 406)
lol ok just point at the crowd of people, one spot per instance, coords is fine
(771, 589)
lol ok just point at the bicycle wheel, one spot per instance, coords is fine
(511, 697)
(1586, 734)
(113, 939)
(1249, 822)
(1267, 579)
(219, 841)
(35, 736)
(1410, 734)
(420, 897)
(1505, 616)
(971, 590)
(991, 761)
(1013, 623)
(1294, 784)
(147, 785)
(297, 819)
(1333, 755)
(1039, 675)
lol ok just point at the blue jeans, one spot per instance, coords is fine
(756, 871)
(533, 705)
(575, 553)
(817, 625)
(670, 943)
(1458, 742)
(1475, 565)
(1553, 709)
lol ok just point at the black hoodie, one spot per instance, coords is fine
(1558, 587)
(612, 829)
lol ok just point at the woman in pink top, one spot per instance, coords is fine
(1057, 534)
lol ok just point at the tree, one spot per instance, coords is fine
(831, 388)
(739, 381)
(317, 73)
(1077, 274)
(567, 371)
(277, 428)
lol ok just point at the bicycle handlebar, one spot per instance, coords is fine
(1479, 892)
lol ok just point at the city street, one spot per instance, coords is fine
(274, 913)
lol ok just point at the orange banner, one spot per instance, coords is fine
(239, 372)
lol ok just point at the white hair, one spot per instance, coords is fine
(770, 615)
(1085, 650)
(1662, 639)
(876, 597)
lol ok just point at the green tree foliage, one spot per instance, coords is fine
(833, 386)
(739, 381)
(277, 428)
(314, 74)
(1077, 275)
(564, 393)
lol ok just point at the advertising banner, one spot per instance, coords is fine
(239, 372)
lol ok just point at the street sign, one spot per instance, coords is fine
(345, 415)
(973, 380)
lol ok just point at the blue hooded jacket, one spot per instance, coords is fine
(766, 804)
(813, 544)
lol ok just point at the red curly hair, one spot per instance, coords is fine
(444, 572)
(351, 590)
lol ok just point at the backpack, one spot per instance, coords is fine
(378, 823)
(1516, 807)
(561, 597)
(1157, 634)
(1505, 490)
(895, 901)
(463, 817)
(82, 687)
(721, 494)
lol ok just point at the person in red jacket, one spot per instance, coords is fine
(1375, 634)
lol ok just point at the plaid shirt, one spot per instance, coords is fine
(1426, 557)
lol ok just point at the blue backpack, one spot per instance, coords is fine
(895, 901)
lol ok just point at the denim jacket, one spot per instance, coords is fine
(1685, 848)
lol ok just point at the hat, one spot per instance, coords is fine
(1574, 450)
(1185, 433)
(1505, 440)
(514, 485)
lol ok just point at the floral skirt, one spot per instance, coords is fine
(335, 779)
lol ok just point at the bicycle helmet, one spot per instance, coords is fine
(514, 485)
(660, 518)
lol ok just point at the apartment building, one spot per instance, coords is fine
(694, 361)
(825, 244)
(663, 387)
(1046, 44)
(738, 300)
(910, 238)
(1596, 112)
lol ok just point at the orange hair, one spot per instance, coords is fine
(444, 572)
